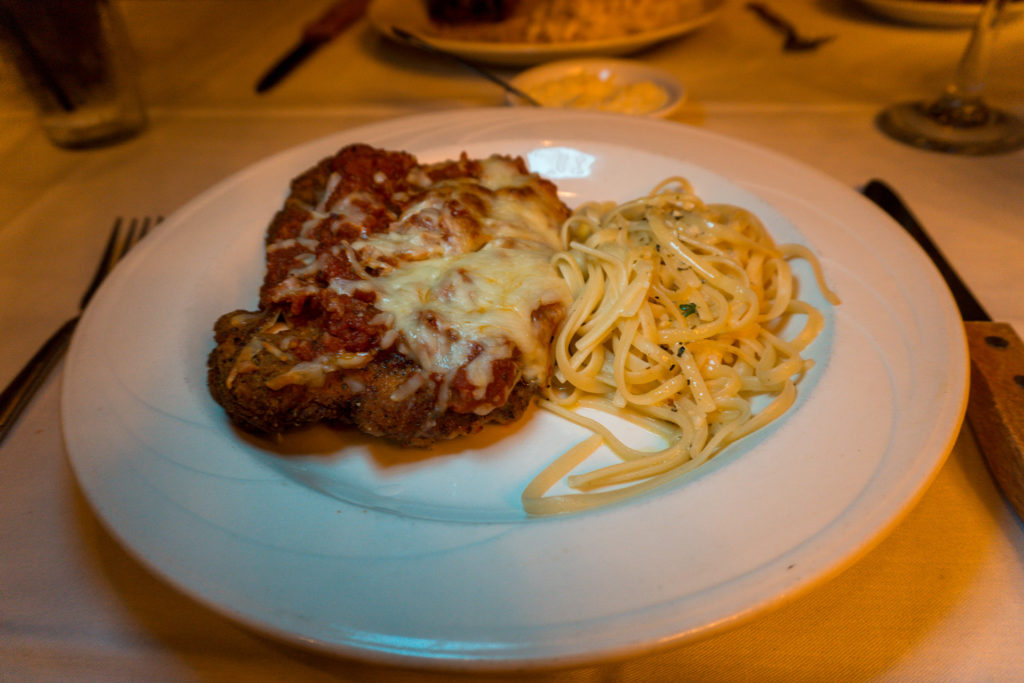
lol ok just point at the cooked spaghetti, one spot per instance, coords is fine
(677, 323)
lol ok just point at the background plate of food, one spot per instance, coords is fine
(426, 557)
(950, 13)
(532, 32)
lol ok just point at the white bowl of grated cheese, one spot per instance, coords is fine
(616, 85)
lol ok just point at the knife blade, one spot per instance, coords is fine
(995, 407)
(315, 35)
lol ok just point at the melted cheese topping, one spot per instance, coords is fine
(457, 277)
(475, 266)
(450, 308)
(459, 216)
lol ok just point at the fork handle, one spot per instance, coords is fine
(772, 19)
(24, 386)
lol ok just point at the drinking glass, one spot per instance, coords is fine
(960, 121)
(77, 66)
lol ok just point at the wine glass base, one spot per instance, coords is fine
(918, 124)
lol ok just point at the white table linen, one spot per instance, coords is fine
(941, 598)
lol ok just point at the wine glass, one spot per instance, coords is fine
(959, 121)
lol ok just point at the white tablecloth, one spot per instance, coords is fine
(941, 598)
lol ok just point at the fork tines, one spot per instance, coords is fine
(117, 247)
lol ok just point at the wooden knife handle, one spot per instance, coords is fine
(996, 406)
(334, 20)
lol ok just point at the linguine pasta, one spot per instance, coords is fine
(678, 308)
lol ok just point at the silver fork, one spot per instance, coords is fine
(23, 387)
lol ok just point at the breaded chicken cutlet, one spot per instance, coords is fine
(414, 302)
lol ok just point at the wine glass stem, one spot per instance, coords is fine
(959, 121)
(968, 82)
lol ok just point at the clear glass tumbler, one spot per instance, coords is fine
(77, 65)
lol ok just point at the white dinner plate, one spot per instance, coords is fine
(412, 16)
(340, 543)
(939, 14)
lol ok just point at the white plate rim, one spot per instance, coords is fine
(937, 14)
(901, 478)
(383, 14)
